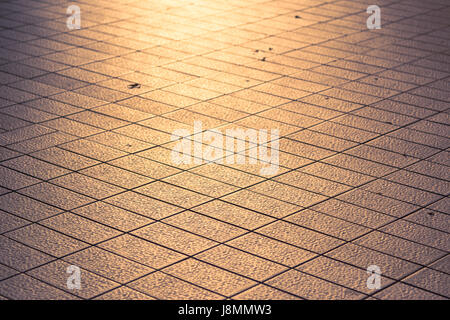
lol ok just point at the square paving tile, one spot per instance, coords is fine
(90, 121)
(56, 274)
(212, 278)
(142, 251)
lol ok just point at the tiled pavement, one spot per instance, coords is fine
(87, 177)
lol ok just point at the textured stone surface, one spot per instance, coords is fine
(87, 121)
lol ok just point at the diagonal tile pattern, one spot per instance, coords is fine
(88, 122)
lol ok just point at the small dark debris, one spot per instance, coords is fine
(256, 50)
(247, 80)
(430, 213)
(297, 17)
(263, 59)
(405, 155)
(376, 79)
(326, 98)
(134, 85)
(129, 145)
(270, 49)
